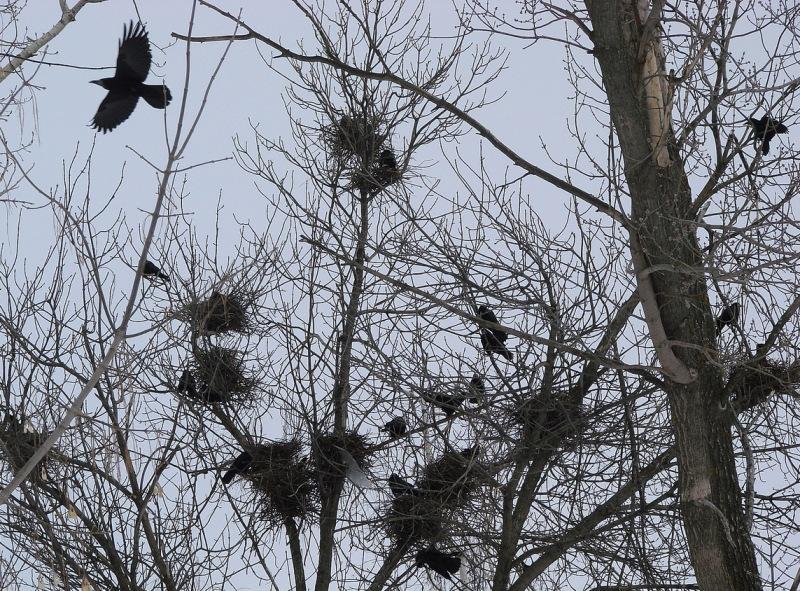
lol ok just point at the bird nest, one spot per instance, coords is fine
(415, 518)
(221, 376)
(753, 382)
(284, 480)
(354, 137)
(327, 452)
(19, 445)
(220, 313)
(549, 414)
(452, 478)
(375, 178)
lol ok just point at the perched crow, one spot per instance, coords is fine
(187, 384)
(765, 129)
(151, 270)
(477, 389)
(397, 427)
(491, 344)
(728, 316)
(400, 487)
(387, 161)
(439, 562)
(493, 340)
(240, 465)
(448, 403)
(127, 85)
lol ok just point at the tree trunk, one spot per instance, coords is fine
(720, 546)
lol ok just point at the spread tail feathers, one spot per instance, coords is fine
(156, 95)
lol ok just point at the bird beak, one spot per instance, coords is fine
(95, 82)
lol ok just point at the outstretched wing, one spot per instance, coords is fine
(134, 57)
(115, 108)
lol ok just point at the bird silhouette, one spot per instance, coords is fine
(400, 487)
(240, 465)
(449, 403)
(187, 384)
(493, 339)
(152, 270)
(127, 86)
(443, 564)
(397, 427)
(477, 389)
(728, 316)
(765, 129)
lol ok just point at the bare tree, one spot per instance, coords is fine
(601, 431)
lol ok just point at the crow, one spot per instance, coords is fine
(187, 384)
(387, 161)
(240, 465)
(477, 389)
(728, 316)
(127, 86)
(448, 403)
(151, 270)
(765, 129)
(400, 487)
(491, 344)
(493, 339)
(397, 427)
(439, 562)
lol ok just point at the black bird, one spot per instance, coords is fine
(187, 384)
(728, 316)
(397, 427)
(240, 465)
(439, 562)
(400, 487)
(448, 403)
(387, 161)
(477, 389)
(491, 344)
(151, 270)
(493, 340)
(765, 129)
(127, 86)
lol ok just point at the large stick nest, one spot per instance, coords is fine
(549, 415)
(755, 381)
(444, 486)
(221, 376)
(17, 446)
(327, 452)
(415, 518)
(354, 138)
(285, 481)
(219, 313)
(453, 477)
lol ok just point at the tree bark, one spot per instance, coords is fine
(626, 48)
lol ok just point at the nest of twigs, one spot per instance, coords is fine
(443, 487)
(221, 376)
(327, 451)
(754, 382)
(19, 445)
(354, 137)
(453, 477)
(375, 179)
(221, 313)
(285, 481)
(549, 415)
(415, 518)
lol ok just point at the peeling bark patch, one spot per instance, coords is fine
(699, 491)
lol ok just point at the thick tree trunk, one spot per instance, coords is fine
(720, 546)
